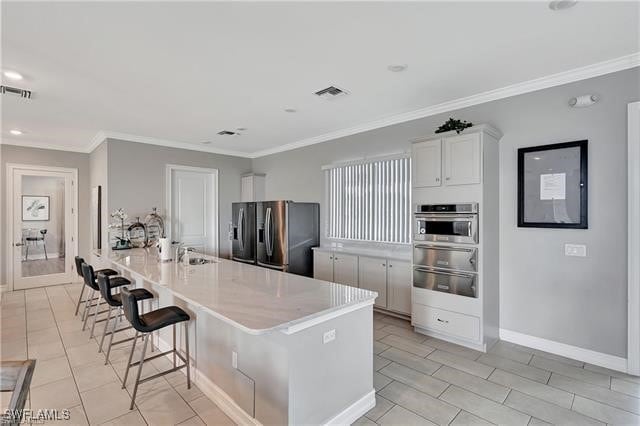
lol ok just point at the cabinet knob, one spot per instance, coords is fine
(437, 179)
(448, 178)
(390, 265)
(383, 264)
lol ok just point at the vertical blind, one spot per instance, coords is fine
(370, 201)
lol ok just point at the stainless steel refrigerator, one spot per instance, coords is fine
(244, 232)
(286, 232)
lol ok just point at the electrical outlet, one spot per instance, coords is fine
(234, 359)
(329, 336)
(579, 250)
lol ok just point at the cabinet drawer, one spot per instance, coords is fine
(453, 323)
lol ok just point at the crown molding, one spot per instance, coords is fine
(558, 79)
(103, 134)
(26, 143)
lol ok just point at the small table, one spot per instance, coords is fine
(15, 376)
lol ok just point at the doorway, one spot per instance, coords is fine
(41, 211)
(633, 170)
(192, 207)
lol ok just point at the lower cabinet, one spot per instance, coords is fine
(372, 274)
(391, 279)
(399, 282)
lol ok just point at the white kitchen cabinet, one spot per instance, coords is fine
(399, 283)
(426, 160)
(323, 265)
(462, 159)
(345, 269)
(372, 275)
(253, 187)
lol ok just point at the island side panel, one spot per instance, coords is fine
(328, 378)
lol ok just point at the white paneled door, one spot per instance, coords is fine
(193, 207)
(42, 212)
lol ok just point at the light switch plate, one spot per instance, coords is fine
(579, 250)
(329, 336)
(234, 359)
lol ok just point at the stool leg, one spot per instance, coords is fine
(80, 299)
(133, 348)
(106, 325)
(95, 316)
(135, 387)
(186, 345)
(87, 308)
(45, 250)
(116, 320)
(174, 346)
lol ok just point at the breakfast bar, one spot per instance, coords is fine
(266, 345)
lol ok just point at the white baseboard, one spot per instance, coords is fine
(600, 359)
(355, 410)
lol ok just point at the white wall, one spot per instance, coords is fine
(576, 301)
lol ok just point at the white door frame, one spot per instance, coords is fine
(170, 168)
(633, 241)
(9, 202)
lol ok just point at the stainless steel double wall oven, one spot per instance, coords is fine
(451, 267)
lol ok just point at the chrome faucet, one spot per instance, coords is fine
(181, 250)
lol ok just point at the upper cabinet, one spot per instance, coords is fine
(253, 186)
(427, 159)
(451, 160)
(462, 159)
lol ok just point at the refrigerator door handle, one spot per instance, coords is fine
(277, 267)
(267, 232)
(241, 228)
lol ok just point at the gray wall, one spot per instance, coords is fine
(46, 157)
(576, 301)
(136, 179)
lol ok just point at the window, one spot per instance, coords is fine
(370, 201)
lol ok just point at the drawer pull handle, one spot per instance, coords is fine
(444, 321)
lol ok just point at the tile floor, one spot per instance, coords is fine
(40, 323)
(419, 380)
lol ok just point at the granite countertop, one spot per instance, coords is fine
(254, 299)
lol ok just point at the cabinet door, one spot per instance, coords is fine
(372, 275)
(462, 159)
(399, 286)
(246, 192)
(426, 163)
(345, 269)
(323, 265)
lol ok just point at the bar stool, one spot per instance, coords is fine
(79, 262)
(92, 282)
(147, 324)
(115, 302)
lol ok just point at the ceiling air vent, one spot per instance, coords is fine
(23, 93)
(226, 133)
(331, 92)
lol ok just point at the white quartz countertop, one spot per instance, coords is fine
(403, 254)
(255, 299)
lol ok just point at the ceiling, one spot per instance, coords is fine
(177, 73)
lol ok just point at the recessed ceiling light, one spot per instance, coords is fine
(562, 4)
(15, 132)
(397, 67)
(206, 143)
(537, 158)
(12, 75)
(290, 110)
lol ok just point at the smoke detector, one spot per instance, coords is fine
(23, 93)
(226, 133)
(331, 92)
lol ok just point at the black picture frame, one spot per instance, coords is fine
(583, 185)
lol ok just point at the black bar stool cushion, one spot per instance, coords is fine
(106, 283)
(106, 271)
(90, 279)
(153, 320)
(138, 293)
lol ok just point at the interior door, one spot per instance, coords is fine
(462, 159)
(426, 163)
(193, 209)
(43, 227)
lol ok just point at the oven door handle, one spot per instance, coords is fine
(449, 218)
(438, 271)
(444, 248)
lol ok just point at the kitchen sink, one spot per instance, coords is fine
(199, 261)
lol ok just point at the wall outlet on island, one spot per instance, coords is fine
(329, 336)
(579, 250)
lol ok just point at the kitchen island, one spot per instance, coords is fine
(270, 347)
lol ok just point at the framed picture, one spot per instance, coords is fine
(35, 208)
(552, 186)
